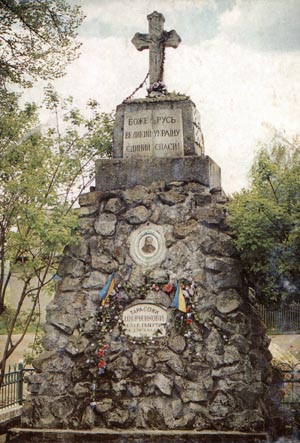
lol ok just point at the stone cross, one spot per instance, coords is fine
(156, 40)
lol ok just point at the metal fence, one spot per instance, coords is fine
(11, 391)
(284, 319)
(290, 382)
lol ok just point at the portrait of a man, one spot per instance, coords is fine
(149, 247)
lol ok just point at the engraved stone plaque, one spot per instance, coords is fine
(145, 320)
(147, 245)
(138, 134)
(153, 133)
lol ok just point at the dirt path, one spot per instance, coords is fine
(18, 354)
(289, 342)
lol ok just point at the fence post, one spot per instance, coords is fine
(20, 383)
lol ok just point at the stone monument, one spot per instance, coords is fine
(151, 334)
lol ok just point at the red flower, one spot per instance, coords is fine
(100, 353)
(168, 288)
(102, 364)
(189, 321)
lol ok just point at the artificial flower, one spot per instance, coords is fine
(102, 364)
(168, 287)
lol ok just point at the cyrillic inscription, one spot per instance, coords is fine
(145, 320)
(156, 133)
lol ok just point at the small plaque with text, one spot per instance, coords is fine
(145, 320)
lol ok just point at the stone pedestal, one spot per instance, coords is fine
(113, 174)
(209, 371)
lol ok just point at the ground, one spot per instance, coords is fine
(287, 343)
(18, 355)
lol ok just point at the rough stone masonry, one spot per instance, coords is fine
(218, 378)
(155, 221)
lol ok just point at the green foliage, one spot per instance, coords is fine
(35, 348)
(42, 175)
(37, 39)
(7, 318)
(265, 220)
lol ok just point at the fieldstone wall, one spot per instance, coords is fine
(215, 375)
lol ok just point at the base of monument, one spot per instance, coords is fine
(124, 173)
(98, 435)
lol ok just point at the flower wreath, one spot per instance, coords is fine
(109, 317)
(109, 314)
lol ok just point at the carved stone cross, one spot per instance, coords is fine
(156, 40)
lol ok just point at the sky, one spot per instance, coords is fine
(239, 61)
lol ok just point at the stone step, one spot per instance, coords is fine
(9, 417)
(98, 435)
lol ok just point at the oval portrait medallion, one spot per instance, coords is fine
(147, 245)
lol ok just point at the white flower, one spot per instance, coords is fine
(186, 294)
